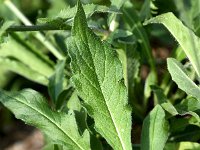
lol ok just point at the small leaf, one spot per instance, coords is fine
(97, 76)
(121, 36)
(189, 42)
(55, 86)
(30, 106)
(150, 80)
(155, 130)
(179, 76)
(163, 101)
(189, 104)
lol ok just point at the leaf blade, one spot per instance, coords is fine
(23, 70)
(184, 36)
(182, 80)
(155, 127)
(55, 86)
(96, 70)
(29, 106)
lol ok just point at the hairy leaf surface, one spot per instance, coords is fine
(189, 42)
(98, 79)
(30, 106)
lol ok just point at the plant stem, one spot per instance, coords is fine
(38, 35)
(44, 27)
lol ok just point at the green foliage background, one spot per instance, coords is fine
(111, 75)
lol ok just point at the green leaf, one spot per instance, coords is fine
(155, 130)
(150, 80)
(30, 106)
(23, 70)
(184, 36)
(161, 99)
(189, 104)
(36, 61)
(179, 76)
(145, 12)
(189, 133)
(97, 76)
(55, 86)
(121, 36)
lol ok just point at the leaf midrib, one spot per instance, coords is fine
(48, 119)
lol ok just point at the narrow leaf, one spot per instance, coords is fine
(131, 17)
(189, 42)
(98, 80)
(19, 51)
(56, 81)
(134, 24)
(155, 130)
(23, 70)
(182, 80)
(30, 106)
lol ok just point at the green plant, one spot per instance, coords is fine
(95, 85)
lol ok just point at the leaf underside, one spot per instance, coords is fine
(29, 106)
(97, 76)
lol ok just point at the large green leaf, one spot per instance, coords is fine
(179, 76)
(155, 130)
(98, 78)
(189, 42)
(30, 106)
